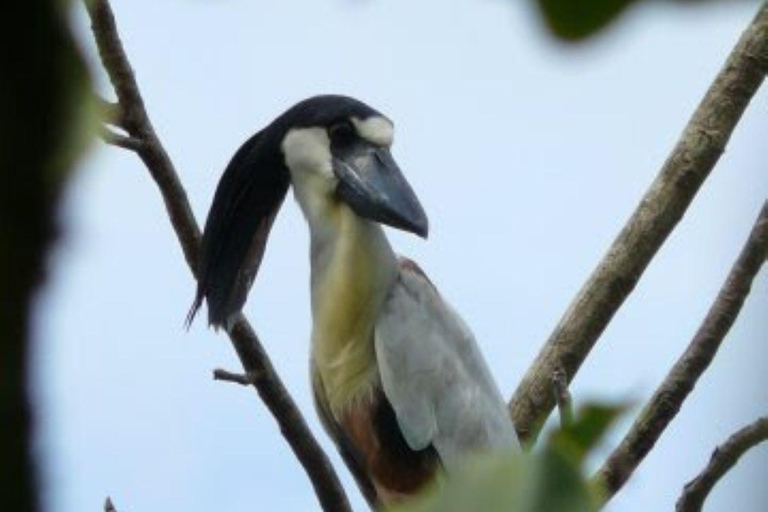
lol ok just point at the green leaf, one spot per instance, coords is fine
(592, 422)
(509, 482)
(576, 19)
(547, 481)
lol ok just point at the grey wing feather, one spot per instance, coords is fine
(434, 375)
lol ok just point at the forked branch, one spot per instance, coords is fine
(679, 382)
(659, 211)
(141, 138)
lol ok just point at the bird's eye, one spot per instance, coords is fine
(341, 131)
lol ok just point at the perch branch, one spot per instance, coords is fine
(679, 382)
(723, 459)
(245, 341)
(659, 211)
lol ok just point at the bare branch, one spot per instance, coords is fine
(136, 122)
(723, 459)
(113, 138)
(679, 382)
(562, 397)
(659, 211)
(244, 379)
(245, 341)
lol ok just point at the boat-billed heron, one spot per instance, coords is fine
(398, 379)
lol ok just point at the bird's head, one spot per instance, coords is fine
(330, 148)
(340, 147)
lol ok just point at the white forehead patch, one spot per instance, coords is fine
(308, 150)
(376, 129)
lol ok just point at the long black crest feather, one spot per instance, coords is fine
(246, 202)
(244, 207)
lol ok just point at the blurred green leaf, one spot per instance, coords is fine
(592, 422)
(509, 482)
(549, 480)
(576, 19)
(44, 128)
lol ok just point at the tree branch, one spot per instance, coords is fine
(678, 384)
(135, 121)
(723, 459)
(659, 211)
(245, 341)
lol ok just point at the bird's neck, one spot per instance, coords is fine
(353, 269)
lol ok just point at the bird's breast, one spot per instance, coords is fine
(352, 274)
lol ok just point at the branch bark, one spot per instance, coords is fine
(723, 459)
(678, 384)
(136, 122)
(701, 144)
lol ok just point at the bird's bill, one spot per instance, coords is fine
(371, 183)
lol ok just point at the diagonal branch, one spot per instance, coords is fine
(659, 211)
(723, 459)
(679, 382)
(135, 121)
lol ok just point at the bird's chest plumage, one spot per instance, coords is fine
(352, 272)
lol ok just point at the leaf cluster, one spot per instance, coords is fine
(550, 479)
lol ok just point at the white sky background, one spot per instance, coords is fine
(528, 157)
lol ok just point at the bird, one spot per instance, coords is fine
(398, 379)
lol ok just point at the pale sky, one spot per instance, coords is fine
(528, 156)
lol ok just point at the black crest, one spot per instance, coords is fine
(246, 202)
(244, 207)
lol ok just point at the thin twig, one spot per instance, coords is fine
(723, 459)
(679, 382)
(244, 379)
(562, 397)
(245, 341)
(113, 138)
(659, 211)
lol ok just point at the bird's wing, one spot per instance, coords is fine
(433, 374)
